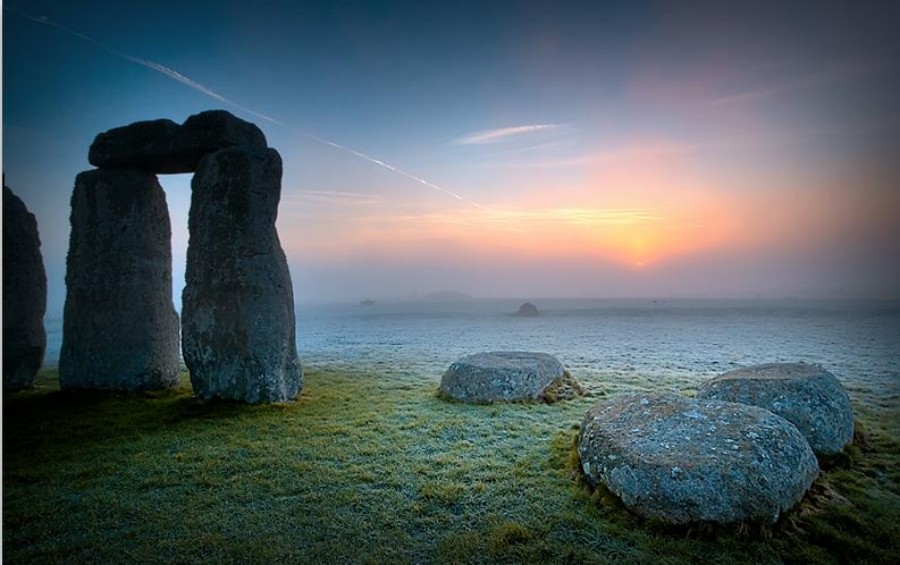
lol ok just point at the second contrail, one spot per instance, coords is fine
(177, 76)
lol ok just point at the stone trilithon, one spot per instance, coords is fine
(238, 328)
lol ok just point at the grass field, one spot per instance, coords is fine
(373, 468)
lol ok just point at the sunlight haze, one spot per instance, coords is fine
(500, 149)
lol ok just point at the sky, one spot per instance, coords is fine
(514, 149)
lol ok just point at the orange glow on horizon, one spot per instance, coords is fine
(638, 207)
(631, 237)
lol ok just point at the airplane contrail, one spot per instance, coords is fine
(187, 81)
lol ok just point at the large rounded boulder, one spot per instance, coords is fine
(808, 396)
(505, 376)
(679, 460)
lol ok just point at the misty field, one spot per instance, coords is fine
(372, 468)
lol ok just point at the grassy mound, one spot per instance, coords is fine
(372, 467)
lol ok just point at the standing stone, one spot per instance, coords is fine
(24, 295)
(238, 306)
(120, 329)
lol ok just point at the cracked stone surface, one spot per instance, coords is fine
(679, 460)
(808, 396)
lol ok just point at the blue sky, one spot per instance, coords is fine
(567, 149)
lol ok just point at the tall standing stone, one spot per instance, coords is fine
(24, 295)
(238, 323)
(120, 329)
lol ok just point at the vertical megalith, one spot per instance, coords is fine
(238, 337)
(24, 295)
(120, 329)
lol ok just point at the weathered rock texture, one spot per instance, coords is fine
(120, 329)
(808, 396)
(503, 376)
(24, 295)
(162, 146)
(238, 306)
(680, 460)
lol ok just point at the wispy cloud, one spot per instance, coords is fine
(576, 216)
(835, 74)
(504, 134)
(519, 219)
(636, 152)
(332, 197)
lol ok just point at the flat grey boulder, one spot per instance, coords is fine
(501, 376)
(679, 460)
(162, 146)
(24, 295)
(808, 396)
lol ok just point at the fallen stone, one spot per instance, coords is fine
(120, 329)
(24, 295)
(238, 319)
(808, 396)
(502, 376)
(162, 146)
(679, 460)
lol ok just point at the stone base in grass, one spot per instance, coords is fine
(508, 376)
(679, 460)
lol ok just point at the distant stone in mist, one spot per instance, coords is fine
(238, 306)
(527, 309)
(120, 329)
(506, 376)
(162, 146)
(808, 396)
(680, 460)
(24, 295)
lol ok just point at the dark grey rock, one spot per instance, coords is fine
(120, 329)
(681, 460)
(24, 295)
(527, 309)
(162, 146)
(145, 146)
(238, 306)
(501, 376)
(210, 131)
(808, 396)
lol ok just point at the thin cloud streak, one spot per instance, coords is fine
(836, 74)
(332, 197)
(510, 217)
(609, 156)
(177, 76)
(504, 134)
